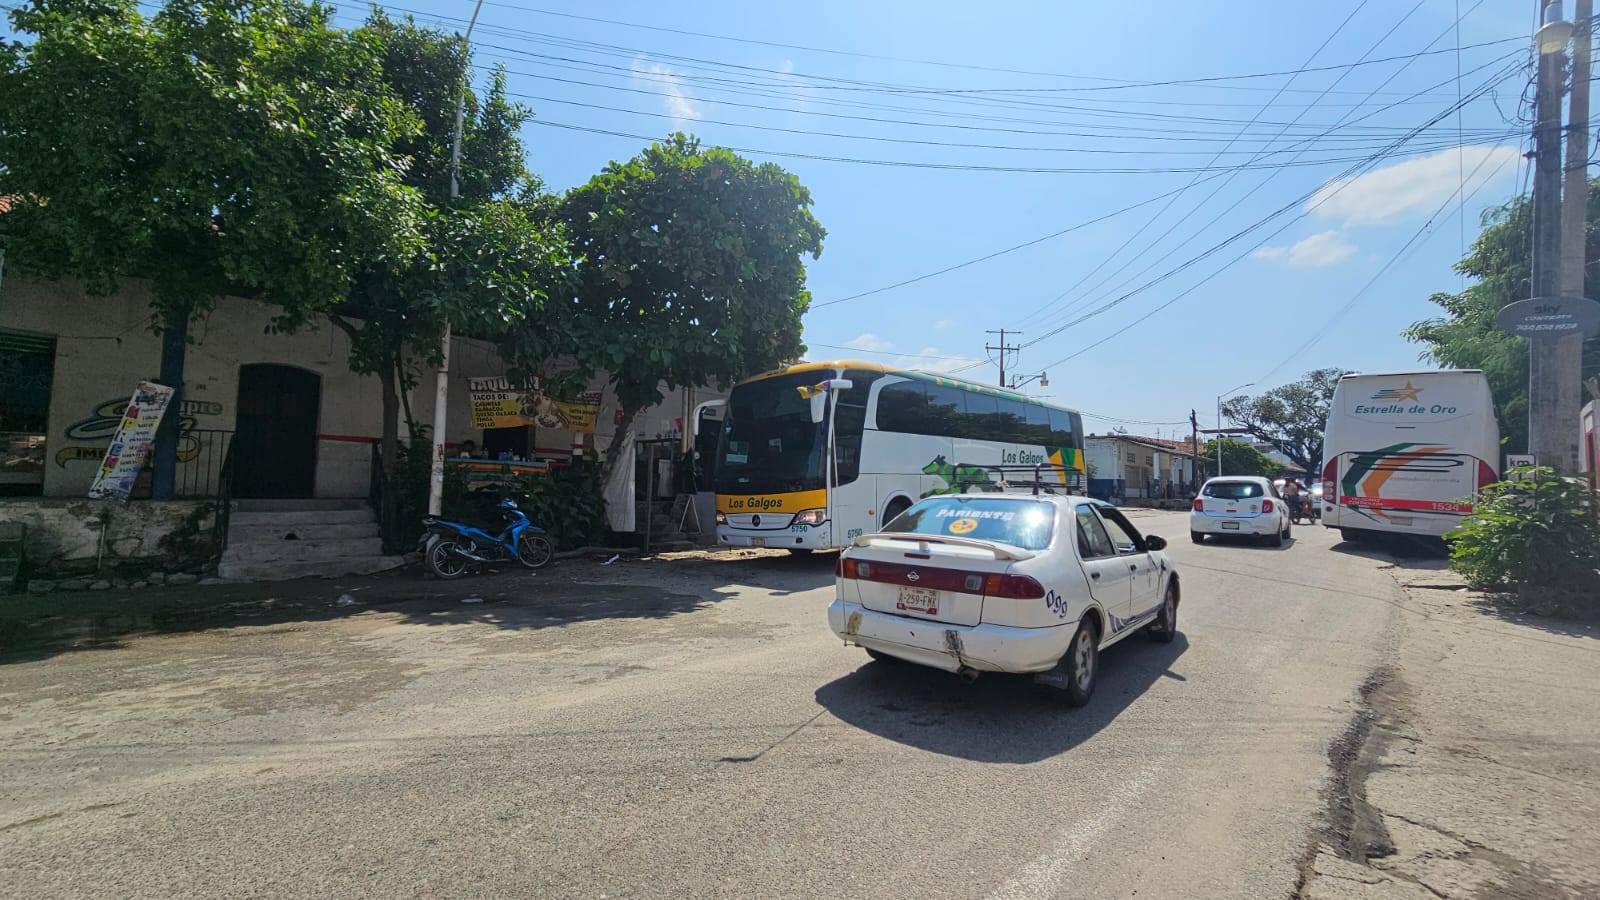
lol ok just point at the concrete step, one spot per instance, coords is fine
(282, 571)
(321, 531)
(304, 518)
(302, 551)
(320, 503)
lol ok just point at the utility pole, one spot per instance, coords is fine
(441, 381)
(1548, 422)
(1194, 452)
(1003, 351)
(1566, 353)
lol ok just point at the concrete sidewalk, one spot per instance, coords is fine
(1474, 770)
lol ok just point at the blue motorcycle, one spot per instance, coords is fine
(451, 549)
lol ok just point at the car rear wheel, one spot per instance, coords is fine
(1197, 537)
(1165, 627)
(1277, 537)
(1080, 668)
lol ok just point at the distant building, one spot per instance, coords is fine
(1127, 466)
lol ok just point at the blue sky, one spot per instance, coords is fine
(1053, 81)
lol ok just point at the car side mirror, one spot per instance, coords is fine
(1155, 542)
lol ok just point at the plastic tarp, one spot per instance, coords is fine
(619, 489)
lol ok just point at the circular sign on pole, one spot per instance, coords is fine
(1550, 317)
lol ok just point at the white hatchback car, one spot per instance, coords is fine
(1240, 505)
(1018, 583)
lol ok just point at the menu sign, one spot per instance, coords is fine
(131, 445)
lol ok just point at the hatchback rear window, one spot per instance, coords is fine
(1023, 523)
(1233, 490)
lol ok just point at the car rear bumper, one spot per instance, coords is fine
(1257, 525)
(987, 648)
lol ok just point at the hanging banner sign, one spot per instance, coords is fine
(131, 445)
(497, 403)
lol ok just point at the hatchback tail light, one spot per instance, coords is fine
(1199, 505)
(1016, 587)
(1266, 506)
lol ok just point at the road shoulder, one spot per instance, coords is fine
(1472, 769)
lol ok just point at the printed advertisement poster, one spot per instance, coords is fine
(132, 444)
(497, 403)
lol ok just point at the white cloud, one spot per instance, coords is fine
(870, 343)
(944, 324)
(1325, 248)
(934, 360)
(1412, 187)
(682, 107)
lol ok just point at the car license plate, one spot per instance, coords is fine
(758, 542)
(1403, 521)
(1230, 526)
(922, 600)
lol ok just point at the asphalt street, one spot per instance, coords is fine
(690, 728)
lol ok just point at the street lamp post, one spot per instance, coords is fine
(1219, 421)
(1043, 378)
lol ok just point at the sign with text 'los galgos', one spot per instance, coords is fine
(1542, 318)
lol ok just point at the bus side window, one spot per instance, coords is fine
(902, 407)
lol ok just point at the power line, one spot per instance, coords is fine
(1114, 83)
(895, 353)
(1233, 206)
(1342, 182)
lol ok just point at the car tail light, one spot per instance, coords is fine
(1199, 505)
(849, 568)
(1016, 587)
(1266, 506)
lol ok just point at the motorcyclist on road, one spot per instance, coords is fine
(1291, 494)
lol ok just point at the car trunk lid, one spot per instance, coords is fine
(940, 579)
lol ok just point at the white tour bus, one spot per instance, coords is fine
(896, 436)
(1407, 451)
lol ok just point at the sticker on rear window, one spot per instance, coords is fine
(1001, 514)
(962, 526)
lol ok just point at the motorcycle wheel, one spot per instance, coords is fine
(443, 560)
(534, 550)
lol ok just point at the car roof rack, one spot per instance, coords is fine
(1016, 478)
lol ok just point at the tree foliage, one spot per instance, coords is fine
(1238, 458)
(1466, 337)
(691, 270)
(1537, 535)
(1291, 418)
(214, 147)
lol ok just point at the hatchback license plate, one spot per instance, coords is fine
(1230, 526)
(922, 600)
(758, 542)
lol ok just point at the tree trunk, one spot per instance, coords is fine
(389, 443)
(174, 345)
(614, 452)
(405, 398)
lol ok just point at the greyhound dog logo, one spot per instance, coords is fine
(954, 477)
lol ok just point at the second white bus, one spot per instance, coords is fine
(1407, 452)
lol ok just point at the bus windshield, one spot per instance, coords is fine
(769, 443)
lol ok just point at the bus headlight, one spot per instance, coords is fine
(722, 518)
(811, 517)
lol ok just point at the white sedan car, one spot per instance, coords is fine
(1240, 505)
(1005, 583)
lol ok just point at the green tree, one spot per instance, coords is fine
(1466, 337)
(215, 147)
(488, 258)
(1238, 458)
(1290, 418)
(690, 270)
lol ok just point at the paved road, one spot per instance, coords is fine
(689, 729)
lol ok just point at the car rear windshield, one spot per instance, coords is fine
(1233, 490)
(1022, 523)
